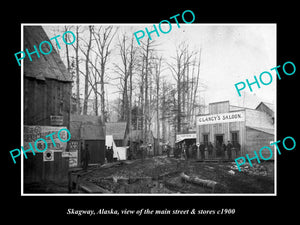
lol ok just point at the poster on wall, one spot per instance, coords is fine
(73, 153)
(32, 133)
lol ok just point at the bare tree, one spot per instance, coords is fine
(86, 80)
(76, 49)
(179, 68)
(103, 37)
(157, 77)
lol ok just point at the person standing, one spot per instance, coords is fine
(223, 150)
(111, 154)
(86, 157)
(202, 150)
(82, 158)
(168, 150)
(210, 150)
(237, 147)
(229, 149)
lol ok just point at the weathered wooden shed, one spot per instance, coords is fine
(46, 106)
(119, 131)
(251, 128)
(89, 130)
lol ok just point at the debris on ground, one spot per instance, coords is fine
(255, 169)
(170, 175)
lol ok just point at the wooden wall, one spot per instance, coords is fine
(255, 140)
(254, 133)
(224, 129)
(43, 98)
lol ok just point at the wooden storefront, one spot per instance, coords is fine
(251, 128)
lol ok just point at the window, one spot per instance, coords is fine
(205, 139)
(234, 137)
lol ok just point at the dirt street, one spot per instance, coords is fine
(165, 175)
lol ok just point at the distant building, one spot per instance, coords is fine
(252, 129)
(267, 108)
(89, 130)
(119, 131)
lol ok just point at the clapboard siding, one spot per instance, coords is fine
(255, 140)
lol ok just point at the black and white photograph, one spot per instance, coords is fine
(149, 112)
(127, 111)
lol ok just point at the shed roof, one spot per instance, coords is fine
(46, 66)
(117, 129)
(86, 127)
(265, 130)
(269, 105)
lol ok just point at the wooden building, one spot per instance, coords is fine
(46, 108)
(86, 129)
(250, 128)
(119, 131)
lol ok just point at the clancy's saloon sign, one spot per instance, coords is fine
(221, 118)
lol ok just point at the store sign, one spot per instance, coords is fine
(180, 137)
(56, 120)
(221, 118)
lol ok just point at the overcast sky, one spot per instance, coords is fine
(231, 53)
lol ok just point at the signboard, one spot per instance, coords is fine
(32, 133)
(56, 120)
(73, 159)
(180, 137)
(73, 153)
(221, 118)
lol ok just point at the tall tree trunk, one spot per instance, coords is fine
(86, 81)
(77, 73)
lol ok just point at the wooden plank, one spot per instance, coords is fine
(92, 188)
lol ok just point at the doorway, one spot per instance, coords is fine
(219, 139)
(96, 150)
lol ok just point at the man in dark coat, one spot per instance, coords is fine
(202, 150)
(111, 154)
(223, 150)
(237, 147)
(210, 150)
(86, 157)
(229, 149)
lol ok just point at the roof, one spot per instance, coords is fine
(265, 130)
(269, 105)
(46, 66)
(86, 127)
(258, 119)
(117, 129)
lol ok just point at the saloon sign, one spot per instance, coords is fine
(221, 118)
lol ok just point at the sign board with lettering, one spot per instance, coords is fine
(73, 153)
(180, 137)
(56, 120)
(221, 118)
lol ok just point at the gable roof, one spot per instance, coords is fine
(46, 66)
(117, 129)
(258, 119)
(86, 127)
(269, 105)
